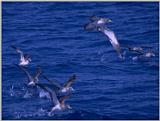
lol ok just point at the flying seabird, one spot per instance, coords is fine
(96, 22)
(66, 86)
(32, 80)
(57, 104)
(24, 58)
(99, 24)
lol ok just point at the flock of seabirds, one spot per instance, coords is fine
(57, 92)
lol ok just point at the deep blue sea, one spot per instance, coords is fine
(106, 87)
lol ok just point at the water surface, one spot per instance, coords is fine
(106, 87)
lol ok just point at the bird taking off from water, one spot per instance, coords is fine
(66, 87)
(24, 58)
(58, 104)
(32, 80)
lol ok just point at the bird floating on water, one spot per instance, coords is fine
(24, 58)
(66, 87)
(99, 24)
(141, 52)
(137, 48)
(57, 104)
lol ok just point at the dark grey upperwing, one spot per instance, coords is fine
(127, 47)
(53, 82)
(27, 73)
(131, 49)
(90, 26)
(138, 51)
(70, 81)
(62, 99)
(17, 49)
(38, 73)
(14, 47)
(94, 18)
(51, 92)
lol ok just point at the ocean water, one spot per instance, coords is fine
(106, 87)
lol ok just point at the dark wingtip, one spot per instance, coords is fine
(85, 26)
(13, 46)
(39, 69)
(94, 18)
(74, 76)
(19, 66)
(88, 27)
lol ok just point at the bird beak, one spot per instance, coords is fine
(29, 59)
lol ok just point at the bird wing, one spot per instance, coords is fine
(70, 81)
(113, 40)
(131, 49)
(38, 73)
(94, 18)
(127, 47)
(27, 73)
(53, 82)
(138, 51)
(90, 26)
(18, 51)
(51, 92)
(62, 99)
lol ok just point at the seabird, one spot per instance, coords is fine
(32, 80)
(142, 54)
(96, 22)
(149, 54)
(24, 58)
(139, 48)
(99, 24)
(57, 104)
(135, 48)
(66, 87)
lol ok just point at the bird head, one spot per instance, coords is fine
(27, 57)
